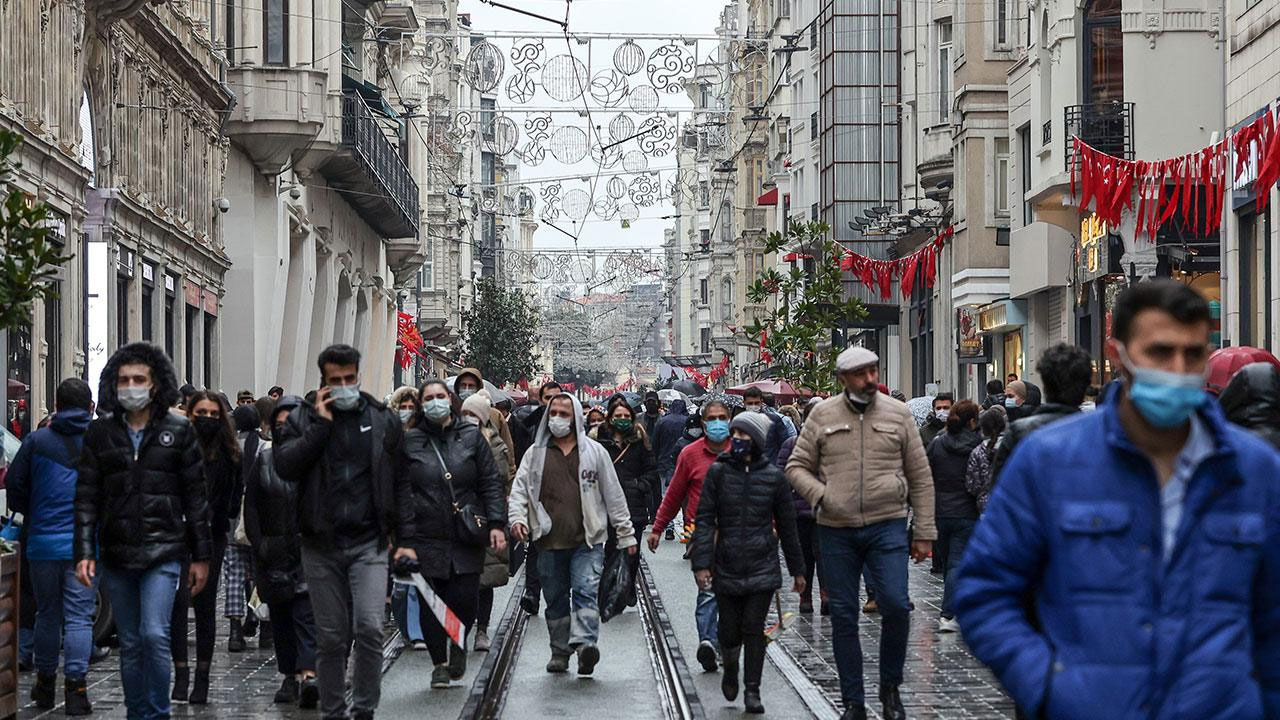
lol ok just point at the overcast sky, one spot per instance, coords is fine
(665, 17)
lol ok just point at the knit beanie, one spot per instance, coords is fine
(754, 424)
(478, 404)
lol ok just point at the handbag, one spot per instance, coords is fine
(10, 528)
(469, 526)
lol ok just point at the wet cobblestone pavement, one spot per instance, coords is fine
(942, 679)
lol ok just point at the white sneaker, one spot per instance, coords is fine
(419, 645)
(948, 625)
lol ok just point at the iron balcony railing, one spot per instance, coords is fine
(1107, 127)
(381, 160)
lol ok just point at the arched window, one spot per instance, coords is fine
(726, 299)
(1103, 55)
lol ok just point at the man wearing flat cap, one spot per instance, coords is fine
(860, 463)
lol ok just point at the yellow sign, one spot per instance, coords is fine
(1093, 233)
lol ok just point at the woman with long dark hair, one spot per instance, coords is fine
(210, 414)
(459, 510)
(637, 470)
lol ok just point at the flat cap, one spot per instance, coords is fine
(855, 357)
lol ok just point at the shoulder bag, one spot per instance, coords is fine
(469, 526)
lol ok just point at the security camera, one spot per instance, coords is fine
(222, 204)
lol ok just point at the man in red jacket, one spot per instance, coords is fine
(684, 491)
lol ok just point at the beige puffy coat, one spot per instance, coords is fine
(856, 468)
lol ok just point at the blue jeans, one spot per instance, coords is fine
(63, 605)
(953, 538)
(570, 582)
(881, 549)
(707, 615)
(142, 601)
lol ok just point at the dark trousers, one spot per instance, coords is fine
(881, 549)
(484, 608)
(206, 607)
(611, 549)
(461, 593)
(742, 624)
(953, 538)
(809, 546)
(295, 634)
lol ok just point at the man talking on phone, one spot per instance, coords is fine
(354, 505)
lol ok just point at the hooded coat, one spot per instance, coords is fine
(1252, 400)
(41, 484)
(949, 462)
(137, 509)
(496, 417)
(637, 472)
(666, 436)
(603, 501)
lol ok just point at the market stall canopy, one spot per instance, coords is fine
(781, 389)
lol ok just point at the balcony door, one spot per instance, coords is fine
(1103, 57)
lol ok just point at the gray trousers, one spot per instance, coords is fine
(348, 592)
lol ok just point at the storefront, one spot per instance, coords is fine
(1253, 234)
(973, 354)
(1098, 280)
(1001, 324)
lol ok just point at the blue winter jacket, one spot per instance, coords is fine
(1064, 593)
(41, 485)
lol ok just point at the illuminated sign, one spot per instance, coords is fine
(1093, 239)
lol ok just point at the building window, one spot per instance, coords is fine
(1002, 24)
(427, 275)
(1001, 190)
(705, 340)
(704, 238)
(229, 31)
(726, 299)
(944, 70)
(122, 310)
(191, 320)
(52, 339)
(210, 321)
(275, 32)
(704, 194)
(1024, 169)
(148, 293)
(726, 227)
(704, 291)
(1104, 52)
(813, 127)
(487, 107)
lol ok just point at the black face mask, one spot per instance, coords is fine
(651, 407)
(207, 427)
(740, 449)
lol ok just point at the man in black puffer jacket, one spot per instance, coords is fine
(1066, 371)
(141, 509)
(1252, 400)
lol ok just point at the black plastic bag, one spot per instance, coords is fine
(617, 585)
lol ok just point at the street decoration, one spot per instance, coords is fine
(880, 274)
(485, 66)
(564, 77)
(1193, 185)
(710, 378)
(668, 65)
(409, 341)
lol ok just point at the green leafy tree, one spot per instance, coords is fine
(29, 258)
(804, 307)
(499, 333)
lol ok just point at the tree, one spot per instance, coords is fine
(29, 258)
(499, 333)
(804, 307)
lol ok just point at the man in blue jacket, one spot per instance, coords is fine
(42, 486)
(1126, 565)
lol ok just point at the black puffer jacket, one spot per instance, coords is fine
(1252, 400)
(741, 516)
(136, 510)
(638, 474)
(224, 487)
(475, 481)
(1018, 429)
(949, 462)
(299, 457)
(271, 523)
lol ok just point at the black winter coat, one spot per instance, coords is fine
(1252, 400)
(1018, 429)
(225, 487)
(741, 516)
(638, 474)
(299, 457)
(135, 511)
(271, 523)
(475, 481)
(949, 463)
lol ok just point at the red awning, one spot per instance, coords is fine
(769, 198)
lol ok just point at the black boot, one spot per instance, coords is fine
(200, 688)
(751, 699)
(288, 692)
(892, 702)
(181, 681)
(235, 643)
(854, 712)
(44, 689)
(806, 604)
(266, 640)
(77, 697)
(457, 662)
(729, 676)
(529, 602)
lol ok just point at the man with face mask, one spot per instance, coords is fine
(141, 508)
(652, 411)
(353, 503)
(1143, 534)
(564, 497)
(934, 424)
(860, 463)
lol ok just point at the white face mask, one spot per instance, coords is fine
(406, 415)
(559, 426)
(942, 415)
(345, 397)
(134, 397)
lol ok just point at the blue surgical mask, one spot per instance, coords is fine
(1011, 402)
(1166, 399)
(405, 415)
(740, 449)
(465, 393)
(437, 409)
(717, 430)
(345, 397)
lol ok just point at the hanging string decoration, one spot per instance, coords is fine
(607, 157)
(635, 162)
(628, 212)
(606, 208)
(609, 88)
(668, 65)
(525, 201)
(564, 77)
(659, 136)
(409, 341)
(644, 99)
(1193, 185)
(628, 58)
(462, 129)
(550, 203)
(485, 66)
(710, 378)
(438, 51)
(525, 55)
(644, 191)
(537, 130)
(616, 187)
(569, 144)
(621, 127)
(879, 274)
(502, 136)
(576, 204)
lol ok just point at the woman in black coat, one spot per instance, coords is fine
(455, 483)
(745, 510)
(637, 470)
(210, 414)
(271, 523)
(955, 509)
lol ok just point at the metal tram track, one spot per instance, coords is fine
(677, 695)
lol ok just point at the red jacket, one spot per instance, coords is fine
(686, 483)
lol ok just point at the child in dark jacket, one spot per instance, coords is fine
(744, 512)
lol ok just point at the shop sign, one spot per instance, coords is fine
(972, 346)
(191, 292)
(992, 317)
(210, 303)
(1093, 244)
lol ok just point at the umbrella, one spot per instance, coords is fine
(733, 401)
(634, 399)
(487, 385)
(689, 387)
(497, 396)
(781, 389)
(670, 396)
(1224, 363)
(920, 407)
